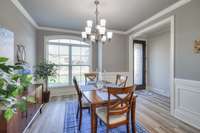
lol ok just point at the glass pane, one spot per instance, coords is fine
(76, 60)
(138, 64)
(63, 50)
(85, 69)
(63, 70)
(53, 58)
(76, 71)
(80, 56)
(76, 51)
(85, 60)
(62, 75)
(85, 51)
(53, 49)
(64, 60)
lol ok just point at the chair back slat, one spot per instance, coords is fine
(91, 77)
(122, 103)
(121, 80)
(77, 89)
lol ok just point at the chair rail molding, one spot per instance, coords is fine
(187, 97)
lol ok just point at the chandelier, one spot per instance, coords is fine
(97, 33)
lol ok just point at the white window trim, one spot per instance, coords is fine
(51, 37)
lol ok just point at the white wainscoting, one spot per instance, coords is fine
(187, 101)
(160, 91)
(69, 90)
(111, 76)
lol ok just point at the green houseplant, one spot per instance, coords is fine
(43, 71)
(13, 82)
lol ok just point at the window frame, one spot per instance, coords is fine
(70, 65)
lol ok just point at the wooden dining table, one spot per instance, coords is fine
(98, 98)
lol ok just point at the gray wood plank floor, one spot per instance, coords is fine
(152, 112)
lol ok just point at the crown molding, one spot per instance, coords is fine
(24, 12)
(159, 14)
(117, 31)
(158, 24)
(59, 30)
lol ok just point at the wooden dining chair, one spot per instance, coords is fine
(116, 113)
(82, 102)
(91, 77)
(121, 80)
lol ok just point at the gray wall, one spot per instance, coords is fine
(115, 57)
(24, 33)
(187, 23)
(158, 62)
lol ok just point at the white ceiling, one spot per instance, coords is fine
(155, 31)
(71, 14)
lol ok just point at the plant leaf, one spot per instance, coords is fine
(3, 59)
(30, 99)
(8, 114)
(21, 105)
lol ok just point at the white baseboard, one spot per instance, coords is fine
(62, 91)
(187, 97)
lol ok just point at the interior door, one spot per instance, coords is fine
(139, 63)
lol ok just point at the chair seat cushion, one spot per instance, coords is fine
(102, 114)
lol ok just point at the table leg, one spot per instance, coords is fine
(93, 119)
(133, 122)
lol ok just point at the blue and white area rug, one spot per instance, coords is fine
(71, 123)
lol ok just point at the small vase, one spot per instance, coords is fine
(46, 93)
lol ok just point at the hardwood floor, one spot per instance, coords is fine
(152, 113)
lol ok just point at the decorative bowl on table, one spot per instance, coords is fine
(99, 85)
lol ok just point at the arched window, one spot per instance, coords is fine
(71, 56)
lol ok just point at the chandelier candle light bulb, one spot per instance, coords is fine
(102, 30)
(88, 30)
(103, 22)
(92, 38)
(84, 35)
(89, 23)
(103, 39)
(109, 35)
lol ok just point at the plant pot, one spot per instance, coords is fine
(46, 96)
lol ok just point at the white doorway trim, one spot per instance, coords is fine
(172, 40)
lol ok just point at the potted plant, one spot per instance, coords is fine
(13, 82)
(43, 71)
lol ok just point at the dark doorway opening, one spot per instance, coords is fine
(139, 64)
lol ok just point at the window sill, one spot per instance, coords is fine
(55, 86)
